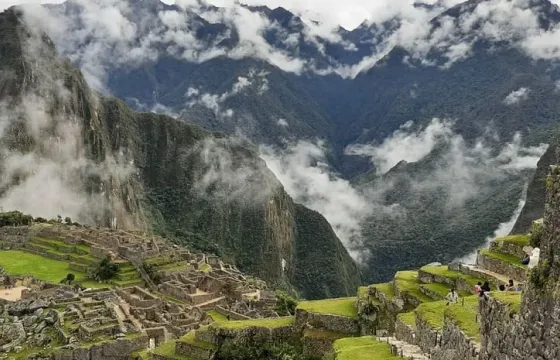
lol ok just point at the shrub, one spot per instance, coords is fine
(106, 270)
(15, 218)
(285, 304)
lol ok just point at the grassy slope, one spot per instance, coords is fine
(268, 323)
(342, 307)
(362, 348)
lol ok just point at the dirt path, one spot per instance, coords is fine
(12, 294)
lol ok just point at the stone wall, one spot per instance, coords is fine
(509, 270)
(455, 344)
(232, 314)
(253, 335)
(115, 350)
(405, 332)
(426, 337)
(334, 323)
(459, 283)
(508, 248)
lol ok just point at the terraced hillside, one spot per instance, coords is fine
(408, 317)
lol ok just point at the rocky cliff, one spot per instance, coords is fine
(71, 152)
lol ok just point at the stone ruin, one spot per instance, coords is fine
(175, 291)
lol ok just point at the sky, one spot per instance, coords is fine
(347, 13)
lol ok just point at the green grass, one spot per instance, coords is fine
(168, 350)
(206, 268)
(216, 316)
(190, 339)
(464, 315)
(444, 271)
(268, 323)
(45, 269)
(408, 318)
(407, 283)
(513, 299)
(518, 240)
(432, 313)
(442, 289)
(362, 348)
(341, 307)
(386, 288)
(58, 243)
(512, 260)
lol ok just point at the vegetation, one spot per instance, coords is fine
(444, 271)
(260, 352)
(106, 270)
(45, 269)
(268, 323)
(517, 240)
(285, 304)
(68, 279)
(341, 307)
(407, 283)
(464, 315)
(362, 348)
(216, 316)
(15, 218)
(510, 259)
(513, 299)
(407, 318)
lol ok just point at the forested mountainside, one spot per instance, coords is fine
(481, 101)
(68, 151)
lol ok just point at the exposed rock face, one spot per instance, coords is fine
(534, 333)
(127, 170)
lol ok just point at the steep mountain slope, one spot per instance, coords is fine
(127, 169)
(275, 81)
(536, 191)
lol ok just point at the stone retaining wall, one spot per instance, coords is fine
(500, 267)
(114, 350)
(232, 314)
(404, 332)
(253, 335)
(426, 337)
(507, 248)
(459, 283)
(333, 323)
(455, 344)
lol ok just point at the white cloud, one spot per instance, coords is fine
(403, 144)
(517, 96)
(282, 122)
(214, 102)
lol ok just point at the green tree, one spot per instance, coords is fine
(106, 270)
(285, 304)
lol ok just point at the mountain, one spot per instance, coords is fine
(67, 150)
(277, 79)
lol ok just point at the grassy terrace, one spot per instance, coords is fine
(216, 316)
(166, 350)
(513, 299)
(407, 283)
(464, 315)
(362, 348)
(341, 307)
(512, 260)
(518, 240)
(191, 340)
(45, 269)
(386, 288)
(407, 318)
(318, 334)
(246, 324)
(444, 271)
(60, 244)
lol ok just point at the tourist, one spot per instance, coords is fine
(502, 287)
(511, 285)
(452, 297)
(485, 289)
(478, 288)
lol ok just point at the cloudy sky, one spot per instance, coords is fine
(348, 13)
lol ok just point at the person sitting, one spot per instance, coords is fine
(452, 297)
(502, 287)
(484, 289)
(511, 285)
(478, 288)
(526, 260)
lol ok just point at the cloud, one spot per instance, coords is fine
(517, 96)
(45, 169)
(282, 123)
(403, 144)
(214, 102)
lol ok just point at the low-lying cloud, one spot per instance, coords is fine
(517, 96)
